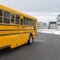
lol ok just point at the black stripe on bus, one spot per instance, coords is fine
(11, 30)
(13, 33)
(16, 29)
(8, 34)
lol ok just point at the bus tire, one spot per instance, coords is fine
(30, 41)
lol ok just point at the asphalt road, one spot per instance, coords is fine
(46, 47)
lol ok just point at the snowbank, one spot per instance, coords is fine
(50, 31)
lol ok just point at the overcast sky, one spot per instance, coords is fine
(44, 7)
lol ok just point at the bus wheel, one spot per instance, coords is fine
(30, 41)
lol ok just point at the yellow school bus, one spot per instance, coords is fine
(16, 28)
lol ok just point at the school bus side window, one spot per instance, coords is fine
(6, 17)
(25, 21)
(0, 16)
(12, 18)
(17, 19)
(30, 22)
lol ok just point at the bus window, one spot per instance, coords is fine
(17, 19)
(0, 16)
(25, 21)
(34, 23)
(12, 18)
(6, 17)
(30, 22)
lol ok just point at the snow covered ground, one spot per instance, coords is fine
(50, 31)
